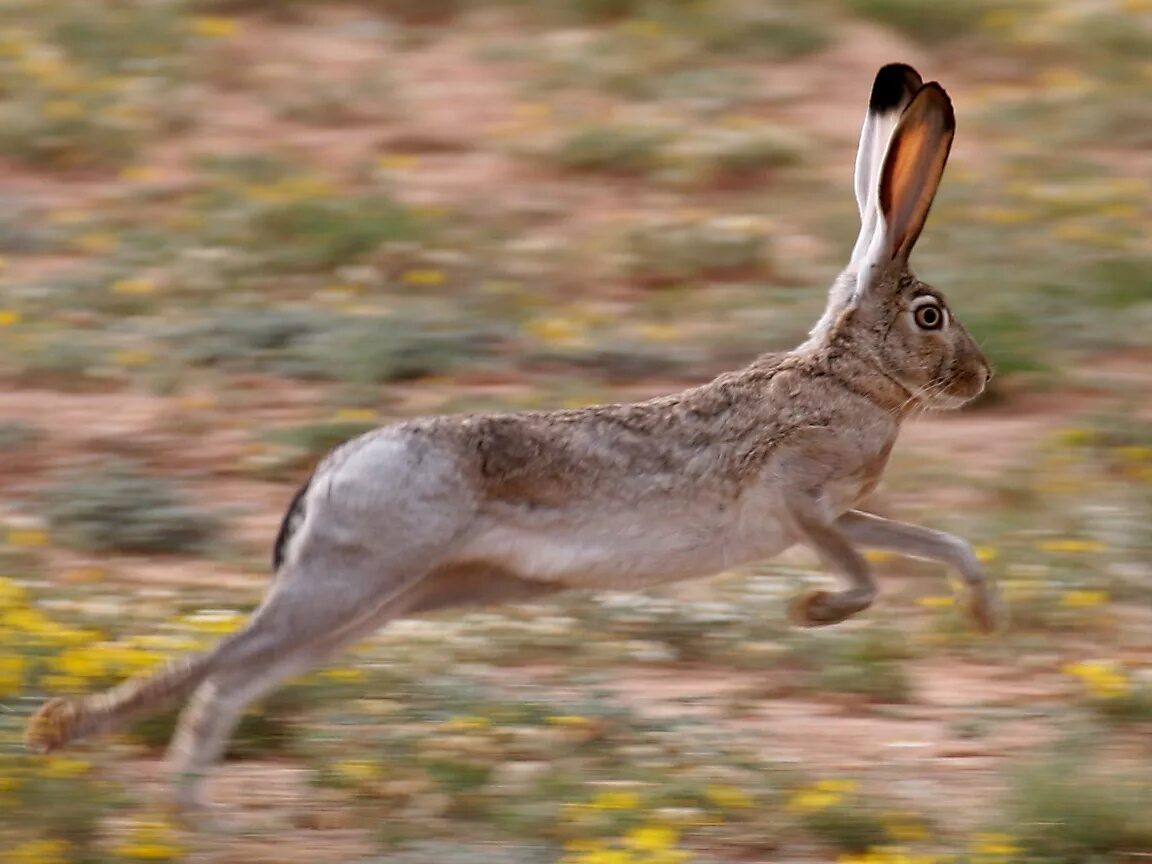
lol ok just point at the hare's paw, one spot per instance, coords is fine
(985, 609)
(52, 726)
(821, 608)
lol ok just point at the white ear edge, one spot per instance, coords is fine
(892, 91)
(907, 180)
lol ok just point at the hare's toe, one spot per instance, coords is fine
(985, 609)
(821, 608)
(52, 726)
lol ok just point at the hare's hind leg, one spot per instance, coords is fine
(875, 532)
(310, 614)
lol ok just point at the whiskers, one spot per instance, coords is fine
(925, 398)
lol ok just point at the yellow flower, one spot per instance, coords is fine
(938, 602)
(1083, 599)
(1103, 679)
(986, 554)
(150, 840)
(557, 331)
(615, 799)
(1071, 546)
(40, 852)
(138, 174)
(215, 27)
(424, 277)
(1006, 216)
(820, 795)
(652, 838)
(133, 286)
(728, 797)
(27, 537)
(12, 669)
(79, 575)
(8, 317)
(66, 217)
(359, 771)
(355, 415)
(132, 357)
(659, 332)
(533, 110)
(62, 109)
(396, 162)
(999, 20)
(1064, 78)
(905, 829)
(95, 242)
(995, 844)
(647, 28)
(569, 720)
(29, 620)
(1135, 454)
(11, 594)
(467, 724)
(344, 673)
(64, 767)
(1077, 436)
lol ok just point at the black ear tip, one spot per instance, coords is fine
(934, 92)
(894, 83)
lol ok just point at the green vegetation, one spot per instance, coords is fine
(118, 506)
(1091, 819)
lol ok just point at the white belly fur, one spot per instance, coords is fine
(622, 547)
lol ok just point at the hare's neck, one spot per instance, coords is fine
(858, 371)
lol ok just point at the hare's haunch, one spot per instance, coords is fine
(452, 511)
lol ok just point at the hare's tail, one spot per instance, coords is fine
(62, 720)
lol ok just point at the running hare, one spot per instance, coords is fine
(451, 511)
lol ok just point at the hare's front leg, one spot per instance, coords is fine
(827, 540)
(875, 532)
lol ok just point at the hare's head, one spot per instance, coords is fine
(878, 308)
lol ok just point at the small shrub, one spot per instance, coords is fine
(380, 350)
(1063, 809)
(62, 362)
(252, 340)
(760, 29)
(316, 439)
(924, 22)
(734, 157)
(118, 507)
(611, 149)
(869, 662)
(849, 827)
(664, 252)
(269, 729)
(835, 811)
(319, 234)
(420, 12)
(17, 435)
(85, 83)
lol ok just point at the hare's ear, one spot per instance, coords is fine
(892, 91)
(912, 170)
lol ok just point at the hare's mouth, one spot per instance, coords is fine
(955, 393)
(944, 394)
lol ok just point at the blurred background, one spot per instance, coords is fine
(237, 232)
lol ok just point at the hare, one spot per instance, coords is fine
(457, 510)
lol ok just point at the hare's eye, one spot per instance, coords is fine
(929, 316)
